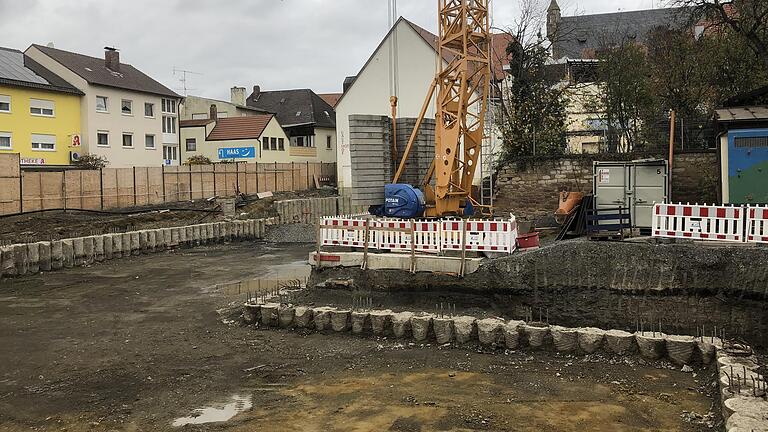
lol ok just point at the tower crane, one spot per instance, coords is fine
(462, 86)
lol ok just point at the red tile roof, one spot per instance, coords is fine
(331, 98)
(238, 128)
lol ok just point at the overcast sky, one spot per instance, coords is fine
(277, 44)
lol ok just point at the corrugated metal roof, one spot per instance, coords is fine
(238, 128)
(742, 113)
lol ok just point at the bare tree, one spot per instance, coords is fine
(746, 18)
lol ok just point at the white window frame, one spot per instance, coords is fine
(154, 142)
(169, 106)
(146, 104)
(43, 139)
(106, 104)
(41, 105)
(8, 135)
(169, 120)
(6, 99)
(130, 105)
(122, 140)
(102, 132)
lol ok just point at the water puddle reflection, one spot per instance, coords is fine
(218, 412)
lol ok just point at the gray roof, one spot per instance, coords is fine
(580, 36)
(753, 113)
(295, 107)
(95, 71)
(19, 71)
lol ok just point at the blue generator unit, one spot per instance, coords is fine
(402, 201)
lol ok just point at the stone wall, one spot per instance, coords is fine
(531, 190)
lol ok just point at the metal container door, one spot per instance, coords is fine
(649, 186)
(610, 186)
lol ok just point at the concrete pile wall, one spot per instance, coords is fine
(371, 154)
(742, 390)
(31, 258)
(370, 150)
(491, 332)
(310, 210)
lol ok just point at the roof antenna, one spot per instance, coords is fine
(183, 78)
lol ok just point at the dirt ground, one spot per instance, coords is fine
(49, 225)
(142, 344)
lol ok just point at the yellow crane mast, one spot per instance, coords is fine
(463, 86)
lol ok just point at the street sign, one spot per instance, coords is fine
(237, 153)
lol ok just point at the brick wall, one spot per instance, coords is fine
(531, 190)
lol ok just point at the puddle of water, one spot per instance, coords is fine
(217, 413)
(260, 286)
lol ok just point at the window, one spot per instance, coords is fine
(170, 153)
(328, 142)
(281, 144)
(273, 143)
(43, 142)
(169, 124)
(41, 107)
(300, 141)
(265, 143)
(191, 144)
(101, 104)
(127, 140)
(5, 103)
(102, 139)
(149, 110)
(199, 116)
(126, 107)
(149, 142)
(168, 106)
(5, 141)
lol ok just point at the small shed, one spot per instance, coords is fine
(743, 146)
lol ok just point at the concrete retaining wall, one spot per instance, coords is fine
(310, 210)
(31, 258)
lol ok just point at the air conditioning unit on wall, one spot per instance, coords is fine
(74, 156)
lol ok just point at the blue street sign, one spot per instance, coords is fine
(237, 153)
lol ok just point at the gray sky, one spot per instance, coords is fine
(277, 44)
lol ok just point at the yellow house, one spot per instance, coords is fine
(39, 112)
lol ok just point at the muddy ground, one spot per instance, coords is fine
(140, 344)
(59, 224)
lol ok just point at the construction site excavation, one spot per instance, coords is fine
(489, 229)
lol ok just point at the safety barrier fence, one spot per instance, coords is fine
(423, 236)
(711, 222)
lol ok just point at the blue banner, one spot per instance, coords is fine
(237, 153)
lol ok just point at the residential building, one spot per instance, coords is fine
(307, 119)
(409, 75)
(198, 108)
(252, 138)
(39, 112)
(126, 116)
(575, 44)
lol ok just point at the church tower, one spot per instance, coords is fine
(553, 22)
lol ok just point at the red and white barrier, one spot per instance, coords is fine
(428, 236)
(481, 235)
(344, 232)
(702, 222)
(757, 224)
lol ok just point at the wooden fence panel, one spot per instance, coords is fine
(196, 181)
(125, 191)
(242, 177)
(251, 178)
(10, 184)
(52, 190)
(109, 188)
(141, 186)
(90, 189)
(155, 185)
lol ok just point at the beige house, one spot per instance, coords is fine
(253, 138)
(198, 108)
(127, 117)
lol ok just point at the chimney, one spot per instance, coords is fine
(112, 59)
(214, 113)
(256, 93)
(238, 96)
